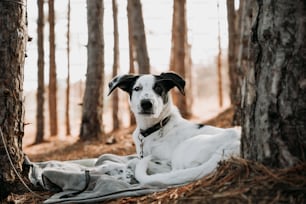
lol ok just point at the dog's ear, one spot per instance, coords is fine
(124, 82)
(170, 80)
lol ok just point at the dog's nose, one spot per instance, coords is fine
(146, 104)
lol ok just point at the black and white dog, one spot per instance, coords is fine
(171, 150)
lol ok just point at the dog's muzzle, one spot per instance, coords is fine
(146, 106)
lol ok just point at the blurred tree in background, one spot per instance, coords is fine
(92, 115)
(40, 116)
(53, 119)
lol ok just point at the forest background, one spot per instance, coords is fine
(202, 22)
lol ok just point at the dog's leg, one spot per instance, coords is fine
(179, 176)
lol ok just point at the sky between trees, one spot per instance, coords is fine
(202, 16)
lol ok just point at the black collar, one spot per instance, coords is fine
(155, 127)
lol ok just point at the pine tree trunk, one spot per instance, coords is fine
(173, 36)
(139, 37)
(189, 97)
(52, 73)
(179, 48)
(232, 52)
(13, 35)
(130, 31)
(219, 63)
(92, 117)
(234, 30)
(174, 44)
(115, 108)
(67, 112)
(131, 51)
(274, 114)
(239, 26)
(40, 127)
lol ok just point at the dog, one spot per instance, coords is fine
(171, 150)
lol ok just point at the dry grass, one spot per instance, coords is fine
(235, 181)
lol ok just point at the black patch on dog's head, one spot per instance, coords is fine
(163, 84)
(160, 90)
(124, 82)
(170, 80)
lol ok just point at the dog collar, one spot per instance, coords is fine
(155, 127)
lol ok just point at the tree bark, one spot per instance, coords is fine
(131, 50)
(234, 30)
(52, 73)
(92, 117)
(40, 126)
(239, 26)
(173, 36)
(67, 112)
(219, 63)
(115, 108)
(131, 43)
(13, 35)
(274, 92)
(139, 37)
(179, 52)
(189, 97)
(174, 45)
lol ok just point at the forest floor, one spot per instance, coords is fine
(235, 181)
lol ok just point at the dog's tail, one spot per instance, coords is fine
(175, 177)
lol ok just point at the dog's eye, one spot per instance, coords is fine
(137, 88)
(158, 89)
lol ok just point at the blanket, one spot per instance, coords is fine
(90, 180)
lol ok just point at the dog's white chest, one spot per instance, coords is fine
(161, 143)
(154, 145)
(159, 148)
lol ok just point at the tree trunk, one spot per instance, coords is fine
(274, 114)
(238, 36)
(40, 126)
(174, 44)
(115, 108)
(189, 97)
(139, 36)
(233, 17)
(179, 49)
(52, 73)
(92, 116)
(173, 37)
(13, 35)
(67, 113)
(131, 51)
(219, 63)
(131, 43)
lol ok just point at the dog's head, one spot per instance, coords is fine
(148, 93)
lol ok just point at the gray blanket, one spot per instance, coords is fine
(89, 180)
